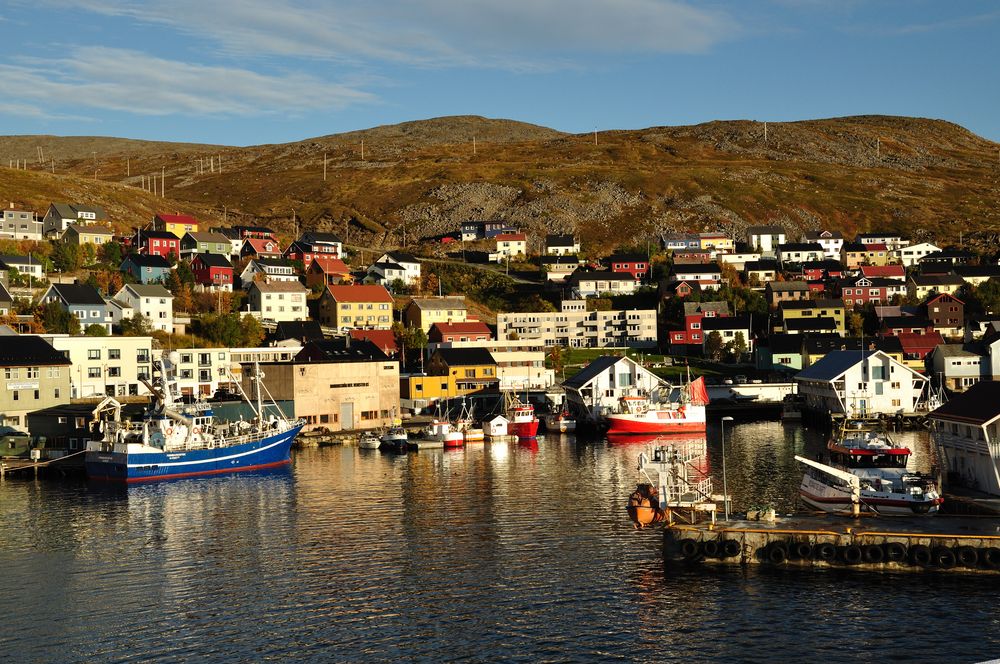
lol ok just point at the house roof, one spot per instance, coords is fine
(937, 280)
(691, 308)
(976, 270)
(339, 350)
(263, 230)
(822, 303)
(916, 343)
(385, 265)
(468, 327)
(765, 230)
(883, 270)
(269, 262)
(824, 342)
(29, 350)
(800, 246)
(711, 268)
(510, 237)
(278, 286)
(185, 219)
(329, 264)
(438, 303)
(810, 323)
(78, 293)
(823, 235)
(761, 266)
(143, 234)
(214, 260)
(785, 344)
(301, 330)
(71, 210)
(400, 257)
(207, 236)
(560, 240)
(947, 297)
(259, 244)
(725, 323)
(384, 339)
(893, 322)
(316, 236)
(455, 357)
(360, 293)
(956, 350)
(825, 264)
(148, 290)
(787, 286)
(147, 260)
(978, 405)
(871, 236)
(834, 364)
(11, 259)
(94, 229)
(228, 233)
(5, 294)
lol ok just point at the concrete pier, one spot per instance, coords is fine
(928, 544)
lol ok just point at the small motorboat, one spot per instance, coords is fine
(561, 422)
(14, 443)
(644, 506)
(467, 425)
(393, 440)
(369, 441)
(442, 431)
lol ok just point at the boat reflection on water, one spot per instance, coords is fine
(693, 445)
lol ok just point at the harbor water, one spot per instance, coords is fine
(494, 552)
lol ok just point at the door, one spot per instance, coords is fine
(346, 415)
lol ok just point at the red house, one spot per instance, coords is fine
(260, 248)
(305, 252)
(212, 271)
(156, 243)
(327, 270)
(638, 266)
(919, 346)
(862, 290)
(467, 331)
(384, 339)
(897, 272)
(694, 312)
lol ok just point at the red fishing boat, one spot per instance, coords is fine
(523, 422)
(639, 414)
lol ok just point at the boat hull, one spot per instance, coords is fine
(658, 421)
(524, 429)
(266, 452)
(835, 500)
(560, 424)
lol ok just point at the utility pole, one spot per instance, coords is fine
(473, 145)
(362, 149)
(128, 167)
(595, 135)
(878, 148)
(163, 181)
(324, 167)
(765, 132)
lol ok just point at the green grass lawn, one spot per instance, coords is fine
(575, 359)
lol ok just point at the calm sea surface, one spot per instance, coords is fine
(497, 552)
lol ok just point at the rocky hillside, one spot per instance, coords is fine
(928, 178)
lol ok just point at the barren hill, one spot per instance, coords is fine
(927, 178)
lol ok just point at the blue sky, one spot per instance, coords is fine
(244, 72)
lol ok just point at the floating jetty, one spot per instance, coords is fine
(920, 544)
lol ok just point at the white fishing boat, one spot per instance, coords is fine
(442, 431)
(560, 422)
(393, 440)
(467, 425)
(369, 441)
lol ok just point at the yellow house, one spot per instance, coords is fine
(80, 235)
(922, 285)
(826, 315)
(718, 242)
(178, 224)
(423, 312)
(855, 255)
(367, 307)
(452, 372)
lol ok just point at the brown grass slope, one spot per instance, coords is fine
(927, 178)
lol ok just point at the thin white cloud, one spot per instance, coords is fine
(493, 33)
(134, 82)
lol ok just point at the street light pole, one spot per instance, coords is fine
(725, 487)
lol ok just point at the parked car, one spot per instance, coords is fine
(741, 380)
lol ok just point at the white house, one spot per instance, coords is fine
(708, 275)
(270, 269)
(409, 264)
(511, 245)
(738, 259)
(831, 242)
(105, 366)
(561, 245)
(966, 431)
(911, 255)
(853, 383)
(597, 390)
(800, 252)
(152, 301)
(278, 301)
(119, 311)
(28, 265)
(959, 366)
(385, 274)
(765, 238)
(596, 283)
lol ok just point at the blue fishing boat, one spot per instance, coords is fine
(175, 440)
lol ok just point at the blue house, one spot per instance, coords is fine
(81, 300)
(146, 269)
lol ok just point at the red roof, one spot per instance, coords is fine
(330, 265)
(876, 246)
(384, 339)
(176, 218)
(511, 237)
(945, 296)
(466, 328)
(362, 293)
(919, 343)
(888, 271)
(260, 245)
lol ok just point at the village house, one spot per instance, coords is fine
(233, 235)
(690, 337)
(119, 311)
(916, 348)
(467, 331)
(823, 315)
(36, 376)
(27, 265)
(958, 366)
(511, 245)
(558, 267)
(827, 268)
(776, 292)
(890, 326)
(385, 340)
(260, 248)
(313, 243)
(520, 364)
(146, 269)
(6, 301)
(799, 252)
(910, 255)
(195, 242)
(854, 255)
(859, 291)
(59, 216)
(765, 239)
(336, 385)
(327, 271)
(410, 265)
(682, 289)
(105, 366)
(893, 271)
(966, 432)
(739, 258)
(707, 276)
(156, 243)
(674, 241)
(385, 274)
(635, 265)
(891, 241)
(594, 283)
(267, 269)
(423, 312)
(91, 234)
(212, 272)
(760, 272)
(976, 275)
(575, 327)
(561, 245)
(921, 286)
(178, 224)
(451, 372)
(947, 314)
(356, 306)
(717, 242)
(730, 329)
(943, 260)
(830, 241)
(854, 383)
(81, 300)
(20, 225)
(277, 300)
(154, 302)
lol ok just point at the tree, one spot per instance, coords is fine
(95, 330)
(111, 253)
(713, 345)
(253, 331)
(66, 257)
(136, 325)
(855, 323)
(184, 273)
(57, 320)
(739, 345)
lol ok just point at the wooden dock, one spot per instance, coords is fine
(71, 464)
(918, 544)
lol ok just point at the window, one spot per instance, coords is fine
(93, 372)
(94, 354)
(15, 395)
(9, 373)
(56, 395)
(114, 354)
(114, 372)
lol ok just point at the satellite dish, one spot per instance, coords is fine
(174, 358)
(235, 366)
